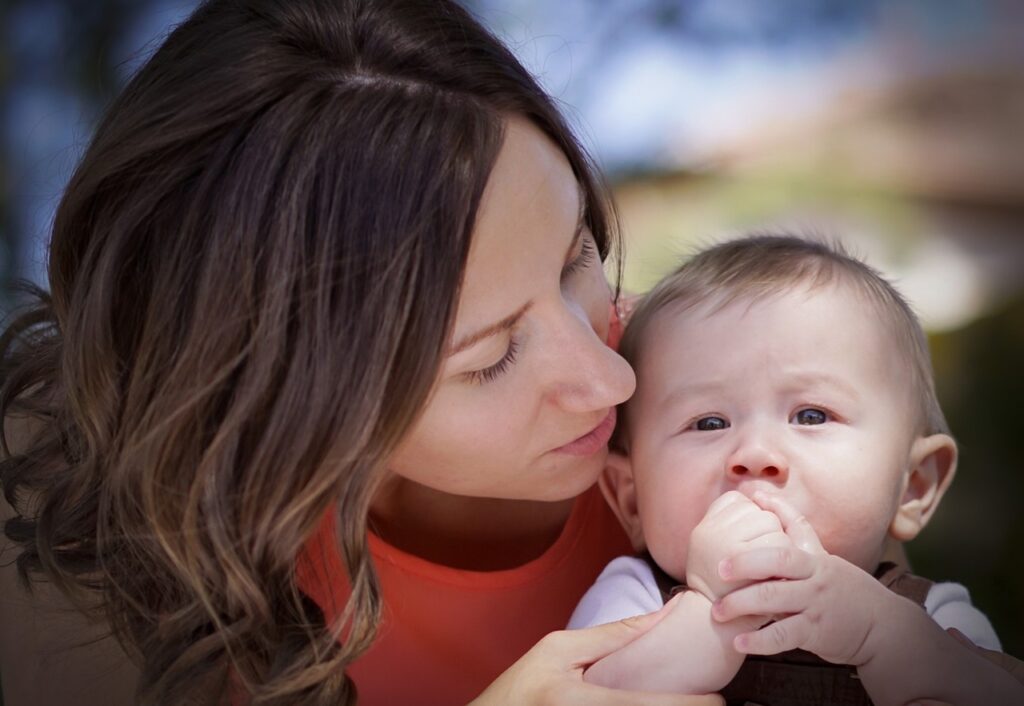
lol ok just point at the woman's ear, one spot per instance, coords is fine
(931, 470)
(619, 489)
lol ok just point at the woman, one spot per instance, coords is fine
(326, 266)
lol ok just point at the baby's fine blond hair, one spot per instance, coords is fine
(758, 266)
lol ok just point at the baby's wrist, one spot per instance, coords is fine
(902, 654)
(697, 582)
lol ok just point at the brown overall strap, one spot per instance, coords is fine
(903, 583)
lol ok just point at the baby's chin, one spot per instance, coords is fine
(676, 568)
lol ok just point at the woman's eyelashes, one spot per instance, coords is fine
(488, 374)
(588, 251)
(586, 256)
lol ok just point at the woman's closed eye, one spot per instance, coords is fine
(583, 260)
(490, 373)
(586, 256)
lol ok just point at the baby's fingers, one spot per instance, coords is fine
(731, 497)
(768, 563)
(764, 598)
(786, 634)
(793, 522)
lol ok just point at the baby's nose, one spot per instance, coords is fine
(757, 459)
(755, 471)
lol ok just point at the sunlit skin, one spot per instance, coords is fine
(813, 405)
(482, 467)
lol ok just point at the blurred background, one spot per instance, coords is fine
(894, 125)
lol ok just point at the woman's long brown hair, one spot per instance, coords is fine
(253, 274)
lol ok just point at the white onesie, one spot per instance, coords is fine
(627, 587)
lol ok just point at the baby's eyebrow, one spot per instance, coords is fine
(813, 378)
(681, 393)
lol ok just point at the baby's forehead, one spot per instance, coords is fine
(695, 308)
(696, 315)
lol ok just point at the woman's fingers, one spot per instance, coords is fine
(793, 522)
(552, 671)
(768, 563)
(585, 646)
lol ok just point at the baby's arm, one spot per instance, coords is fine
(688, 651)
(845, 616)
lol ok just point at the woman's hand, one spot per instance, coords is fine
(552, 671)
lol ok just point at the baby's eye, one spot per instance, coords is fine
(809, 416)
(710, 423)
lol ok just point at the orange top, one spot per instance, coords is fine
(448, 633)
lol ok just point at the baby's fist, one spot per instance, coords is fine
(733, 523)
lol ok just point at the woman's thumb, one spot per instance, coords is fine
(588, 645)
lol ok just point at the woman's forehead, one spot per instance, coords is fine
(528, 215)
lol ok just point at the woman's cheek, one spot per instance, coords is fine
(501, 418)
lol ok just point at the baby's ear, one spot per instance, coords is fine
(931, 470)
(616, 483)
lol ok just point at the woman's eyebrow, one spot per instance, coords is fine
(503, 325)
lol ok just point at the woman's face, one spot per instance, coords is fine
(526, 396)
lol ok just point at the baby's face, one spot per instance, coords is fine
(799, 394)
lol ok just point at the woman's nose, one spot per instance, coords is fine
(588, 375)
(757, 457)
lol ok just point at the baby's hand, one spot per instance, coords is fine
(732, 525)
(826, 605)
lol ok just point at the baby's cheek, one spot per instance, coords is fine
(859, 539)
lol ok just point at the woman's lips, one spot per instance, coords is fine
(594, 440)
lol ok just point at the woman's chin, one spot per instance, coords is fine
(574, 475)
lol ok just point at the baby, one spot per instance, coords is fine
(784, 433)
